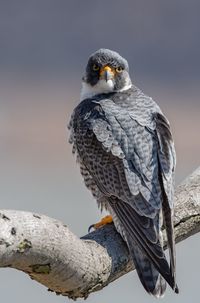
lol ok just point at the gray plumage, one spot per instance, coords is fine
(127, 159)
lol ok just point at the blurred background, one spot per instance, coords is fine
(44, 47)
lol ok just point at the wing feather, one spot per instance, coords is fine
(167, 162)
(149, 245)
(136, 151)
(133, 164)
(152, 249)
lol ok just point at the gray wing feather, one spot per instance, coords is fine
(139, 237)
(136, 150)
(131, 161)
(167, 156)
(167, 161)
(151, 279)
(147, 154)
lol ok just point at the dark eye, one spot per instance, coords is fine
(119, 69)
(95, 67)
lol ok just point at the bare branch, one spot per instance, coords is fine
(51, 254)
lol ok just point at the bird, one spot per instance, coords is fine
(125, 150)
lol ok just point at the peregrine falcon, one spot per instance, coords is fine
(125, 149)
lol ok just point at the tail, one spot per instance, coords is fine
(167, 216)
(150, 278)
(145, 248)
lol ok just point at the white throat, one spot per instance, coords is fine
(102, 87)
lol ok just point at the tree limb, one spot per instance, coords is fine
(51, 254)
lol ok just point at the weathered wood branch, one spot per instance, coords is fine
(51, 254)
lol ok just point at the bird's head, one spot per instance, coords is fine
(106, 72)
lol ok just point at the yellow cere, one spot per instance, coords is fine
(107, 68)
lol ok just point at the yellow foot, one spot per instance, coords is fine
(105, 220)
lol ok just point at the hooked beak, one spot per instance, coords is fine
(106, 73)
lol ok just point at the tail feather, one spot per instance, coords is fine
(170, 236)
(148, 256)
(150, 278)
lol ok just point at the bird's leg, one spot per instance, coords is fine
(105, 220)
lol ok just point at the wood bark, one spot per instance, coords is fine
(51, 254)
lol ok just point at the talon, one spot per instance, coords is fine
(90, 227)
(105, 220)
